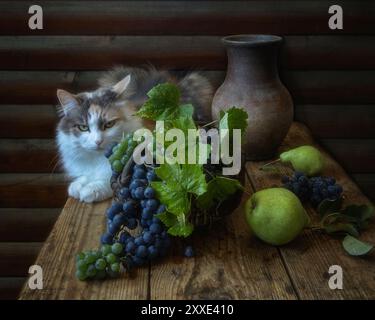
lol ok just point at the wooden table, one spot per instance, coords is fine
(230, 262)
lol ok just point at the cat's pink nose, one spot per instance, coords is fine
(98, 142)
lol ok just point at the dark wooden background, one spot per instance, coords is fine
(331, 75)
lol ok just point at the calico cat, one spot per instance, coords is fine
(91, 121)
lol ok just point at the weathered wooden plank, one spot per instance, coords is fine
(227, 265)
(330, 87)
(32, 190)
(27, 225)
(309, 257)
(186, 17)
(40, 155)
(354, 155)
(338, 121)
(366, 183)
(78, 228)
(325, 121)
(17, 257)
(21, 87)
(10, 287)
(182, 52)
(307, 87)
(29, 155)
(27, 121)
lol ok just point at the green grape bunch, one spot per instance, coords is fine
(100, 264)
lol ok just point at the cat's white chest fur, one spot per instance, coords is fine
(89, 169)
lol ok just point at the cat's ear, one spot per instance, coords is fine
(121, 86)
(67, 101)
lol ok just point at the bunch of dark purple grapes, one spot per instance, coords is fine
(315, 189)
(137, 205)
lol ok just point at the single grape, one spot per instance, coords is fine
(89, 258)
(152, 204)
(143, 203)
(117, 166)
(130, 247)
(115, 267)
(141, 251)
(189, 252)
(149, 193)
(124, 193)
(151, 176)
(111, 258)
(139, 193)
(81, 265)
(139, 241)
(136, 183)
(132, 224)
(139, 174)
(155, 228)
(105, 249)
(113, 229)
(147, 213)
(117, 248)
(100, 264)
(91, 271)
(129, 207)
(113, 210)
(119, 219)
(148, 237)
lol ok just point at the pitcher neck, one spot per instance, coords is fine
(253, 65)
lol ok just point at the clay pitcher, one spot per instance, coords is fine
(252, 82)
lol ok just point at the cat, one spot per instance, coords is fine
(91, 121)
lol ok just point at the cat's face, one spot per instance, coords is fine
(94, 120)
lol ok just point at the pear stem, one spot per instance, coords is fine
(210, 123)
(269, 163)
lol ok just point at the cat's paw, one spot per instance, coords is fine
(74, 189)
(95, 191)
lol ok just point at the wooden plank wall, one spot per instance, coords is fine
(331, 75)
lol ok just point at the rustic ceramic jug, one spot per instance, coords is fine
(252, 82)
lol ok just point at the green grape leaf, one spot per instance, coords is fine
(183, 123)
(167, 218)
(178, 181)
(163, 103)
(329, 206)
(355, 247)
(177, 226)
(360, 214)
(181, 229)
(218, 189)
(176, 200)
(186, 110)
(339, 228)
(234, 118)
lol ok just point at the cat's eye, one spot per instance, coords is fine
(83, 127)
(109, 124)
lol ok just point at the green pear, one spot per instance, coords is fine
(276, 215)
(306, 159)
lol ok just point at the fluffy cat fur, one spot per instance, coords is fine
(91, 121)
